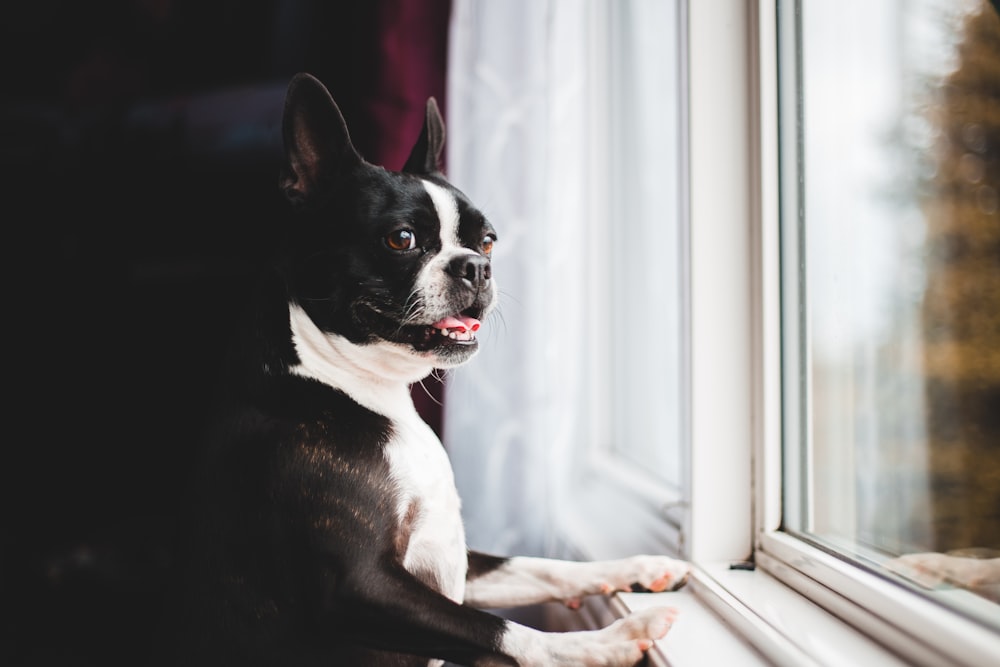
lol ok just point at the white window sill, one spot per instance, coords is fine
(749, 619)
(699, 636)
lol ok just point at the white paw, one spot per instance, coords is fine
(652, 623)
(622, 644)
(651, 573)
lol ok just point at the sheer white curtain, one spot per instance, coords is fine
(517, 145)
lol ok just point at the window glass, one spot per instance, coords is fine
(645, 237)
(891, 268)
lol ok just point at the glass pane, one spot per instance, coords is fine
(892, 241)
(645, 238)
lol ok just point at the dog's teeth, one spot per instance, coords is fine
(454, 334)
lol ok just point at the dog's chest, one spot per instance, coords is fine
(431, 533)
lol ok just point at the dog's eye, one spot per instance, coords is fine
(401, 239)
(488, 242)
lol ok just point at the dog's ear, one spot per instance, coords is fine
(425, 158)
(317, 144)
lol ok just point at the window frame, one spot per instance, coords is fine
(736, 295)
(913, 626)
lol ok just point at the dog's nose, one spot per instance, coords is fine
(473, 268)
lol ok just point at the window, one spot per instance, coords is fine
(891, 258)
(645, 229)
(634, 437)
(843, 269)
(779, 343)
(566, 125)
(890, 285)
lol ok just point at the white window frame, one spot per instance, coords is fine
(913, 626)
(736, 388)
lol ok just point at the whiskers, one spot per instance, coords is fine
(413, 311)
(497, 314)
(438, 375)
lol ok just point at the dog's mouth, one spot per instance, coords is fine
(457, 330)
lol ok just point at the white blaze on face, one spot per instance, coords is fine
(447, 210)
(432, 282)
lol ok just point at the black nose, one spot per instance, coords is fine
(473, 268)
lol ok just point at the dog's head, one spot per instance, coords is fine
(396, 260)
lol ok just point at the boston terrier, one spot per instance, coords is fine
(326, 528)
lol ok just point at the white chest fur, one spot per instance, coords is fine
(377, 376)
(429, 508)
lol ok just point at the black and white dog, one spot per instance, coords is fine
(328, 530)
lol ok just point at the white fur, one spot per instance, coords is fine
(522, 581)
(423, 474)
(620, 644)
(447, 210)
(377, 376)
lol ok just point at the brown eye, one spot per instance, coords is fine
(401, 239)
(488, 242)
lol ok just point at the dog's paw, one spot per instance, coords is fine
(652, 624)
(627, 640)
(624, 643)
(932, 570)
(645, 573)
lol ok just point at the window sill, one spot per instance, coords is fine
(749, 618)
(699, 636)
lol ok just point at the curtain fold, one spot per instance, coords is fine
(517, 145)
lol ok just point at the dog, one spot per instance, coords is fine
(327, 527)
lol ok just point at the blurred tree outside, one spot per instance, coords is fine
(961, 308)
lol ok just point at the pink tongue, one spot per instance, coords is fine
(461, 322)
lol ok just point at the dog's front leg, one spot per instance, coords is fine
(386, 608)
(511, 582)
(495, 582)
(395, 612)
(621, 644)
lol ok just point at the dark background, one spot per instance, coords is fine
(140, 143)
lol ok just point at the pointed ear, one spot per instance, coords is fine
(425, 158)
(318, 147)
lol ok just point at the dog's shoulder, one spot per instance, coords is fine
(286, 420)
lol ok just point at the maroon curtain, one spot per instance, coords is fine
(412, 56)
(407, 58)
